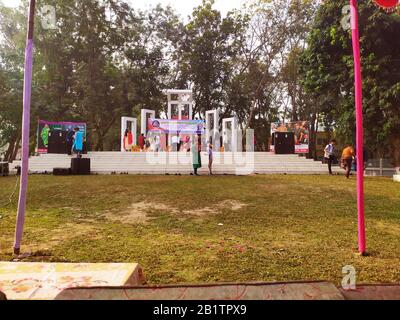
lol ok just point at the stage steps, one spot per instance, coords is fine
(180, 163)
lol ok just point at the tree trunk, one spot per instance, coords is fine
(16, 147)
(313, 135)
(100, 141)
(395, 146)
(11, 147)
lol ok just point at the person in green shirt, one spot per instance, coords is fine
(45, 135)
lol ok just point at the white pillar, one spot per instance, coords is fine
(229, 137)
(212, 132)
(124, 126)
(143, 120)
(184, 97)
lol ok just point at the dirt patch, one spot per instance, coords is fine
(138, 213)
(232, 205)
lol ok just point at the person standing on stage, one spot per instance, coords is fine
(142, 142)
(196, 155)
(210, 158)
(330, 154)
(78, 142)
(128, 140)
(175, 142)
(347, 159)
(70, 140)
(45, 135)
(157, 143)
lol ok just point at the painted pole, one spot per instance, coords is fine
(25, 129)
(359, 127)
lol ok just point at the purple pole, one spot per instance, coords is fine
(25, 129)
(359, 127)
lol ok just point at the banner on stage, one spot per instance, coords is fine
(301, 130)
(44, 128)
(177, 126)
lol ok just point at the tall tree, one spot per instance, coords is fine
(327, 67)
(210, 46)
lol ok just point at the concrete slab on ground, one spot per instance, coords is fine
(249, 291)
(373, 292)
(44, 281)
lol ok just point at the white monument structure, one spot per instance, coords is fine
(396, 177)
(131, 123)
(180, 104)
(212, 129)
(229, 134)
(145, 115)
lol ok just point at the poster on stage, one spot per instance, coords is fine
(301, 130)
(177, 126)
(44, 128)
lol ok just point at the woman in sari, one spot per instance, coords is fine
(196, 155)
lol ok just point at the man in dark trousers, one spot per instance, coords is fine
(329, 154)
(70, 140)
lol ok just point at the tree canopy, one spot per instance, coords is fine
(273, 60)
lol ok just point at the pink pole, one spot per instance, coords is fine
(25, 129)
(359, 127)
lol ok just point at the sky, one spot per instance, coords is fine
(183, 7)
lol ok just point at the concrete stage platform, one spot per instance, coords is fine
(44, 281)
(229, 163)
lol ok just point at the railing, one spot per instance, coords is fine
(379, 168)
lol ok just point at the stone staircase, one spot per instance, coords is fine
(181, 163)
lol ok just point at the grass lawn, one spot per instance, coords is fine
(274, 228)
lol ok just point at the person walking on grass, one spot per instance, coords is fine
(347, 159)
(210, 158)
(330, 154)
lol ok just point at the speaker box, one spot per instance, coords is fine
(57, 142)
(61, 171)
(80, 166)
(284, 143)
(4, 169)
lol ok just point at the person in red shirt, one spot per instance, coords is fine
(142, 142)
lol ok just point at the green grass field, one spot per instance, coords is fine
(210, 229)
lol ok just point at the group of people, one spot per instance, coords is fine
(196, 154)
(178, 144)
(75, 139)
(300, 129)
(144, 144)
(156, 143)
(346, 160)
